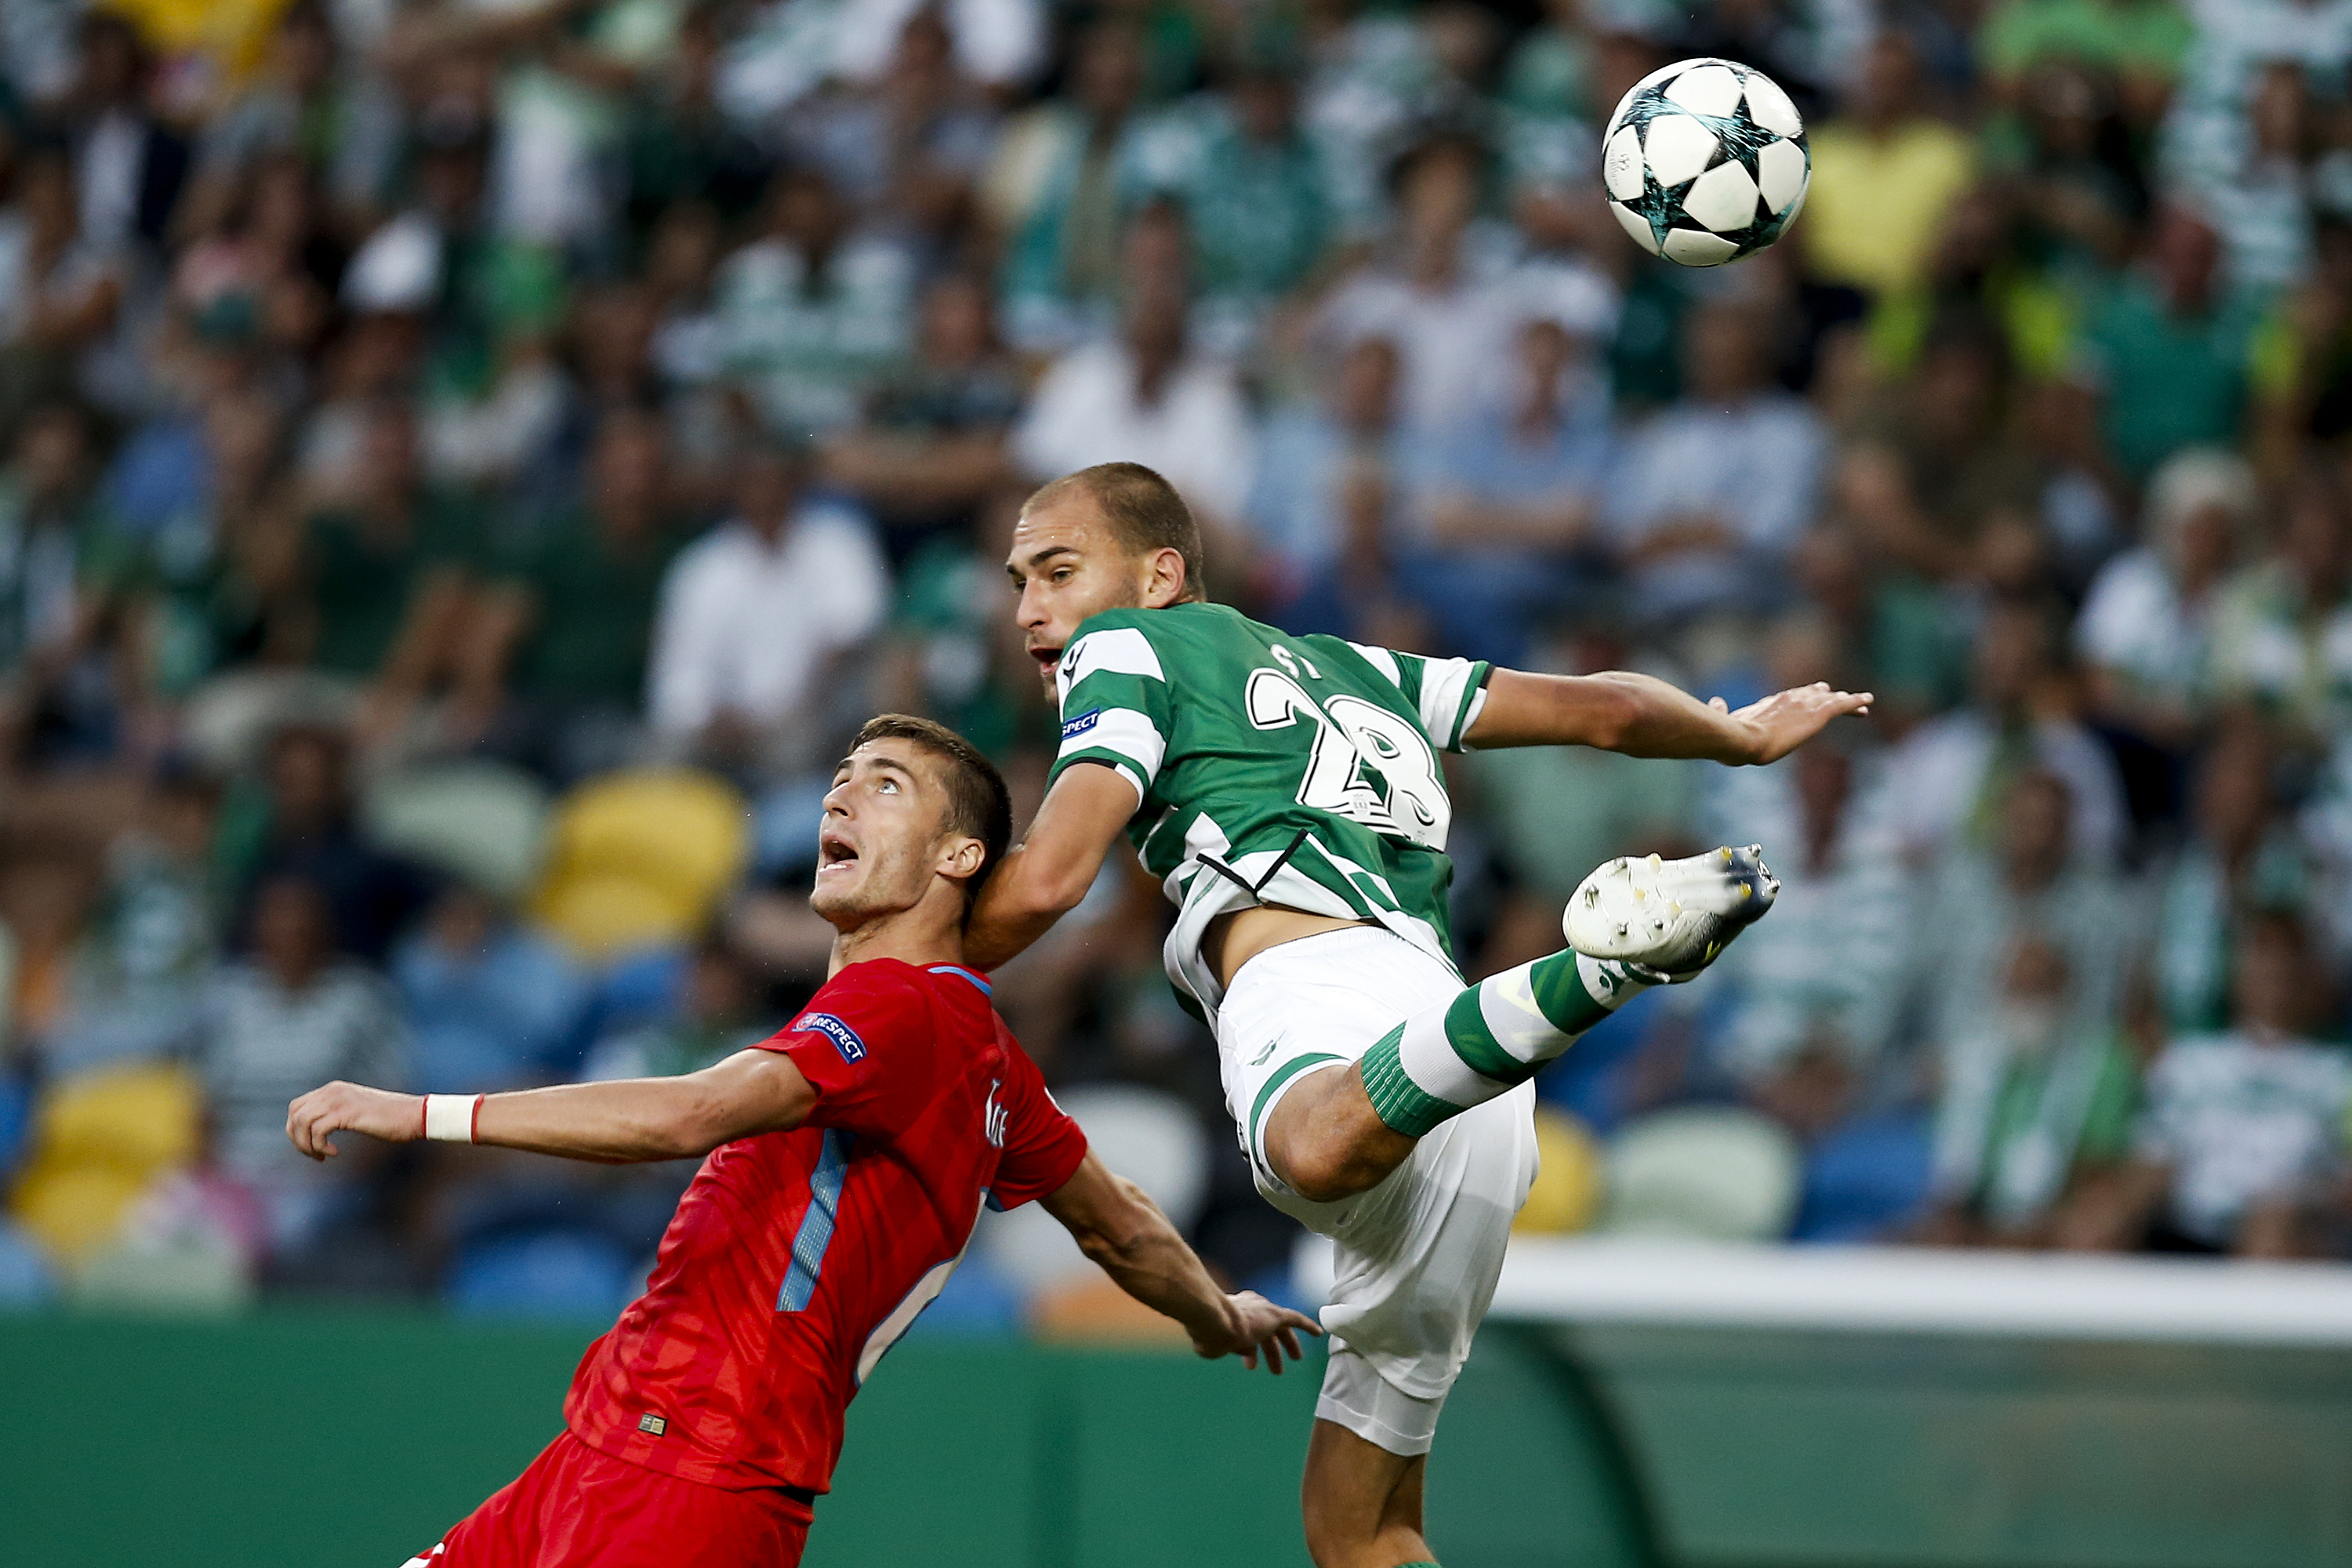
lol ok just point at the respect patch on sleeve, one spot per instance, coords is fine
(845, 1039)
(1073, 728)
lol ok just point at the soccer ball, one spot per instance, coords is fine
(1706, 162)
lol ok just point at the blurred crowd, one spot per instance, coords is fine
(466, 465)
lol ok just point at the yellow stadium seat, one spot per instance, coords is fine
(101, 1137)
(74, 1211)
(233, 33)
(641, 858)
(144, 1118)
(1566, 1197)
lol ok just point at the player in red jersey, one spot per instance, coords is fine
(849, 1157)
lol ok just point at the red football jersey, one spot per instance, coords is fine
(796, 1259)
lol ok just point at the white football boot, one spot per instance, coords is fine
(1667, 920)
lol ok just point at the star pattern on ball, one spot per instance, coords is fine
(1706, 162)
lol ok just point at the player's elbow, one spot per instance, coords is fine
(1120, 1231)
(696, 1124)
(1041, 894)
(1102, 1248)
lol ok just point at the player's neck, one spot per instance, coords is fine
(922, 936)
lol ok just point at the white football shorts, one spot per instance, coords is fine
(1417, 1256)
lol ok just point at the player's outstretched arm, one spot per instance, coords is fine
(618, 1122)
(1641, 716)
(1116, 1224)
(1048, 873)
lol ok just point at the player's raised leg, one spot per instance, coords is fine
(1631, 924)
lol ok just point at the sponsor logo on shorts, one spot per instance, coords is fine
(1259, 1060)
(654, 1425)
(845, 1039)
(1073, 728)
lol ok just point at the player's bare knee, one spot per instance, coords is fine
(1323, 1164)
(1325, 1141)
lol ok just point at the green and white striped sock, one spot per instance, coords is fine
(1491, 1037)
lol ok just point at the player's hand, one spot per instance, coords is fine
(1782, 722)
(352, 1107)
(1252, 1327)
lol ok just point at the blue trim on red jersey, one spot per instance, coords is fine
(815, 1234)
(959, 969)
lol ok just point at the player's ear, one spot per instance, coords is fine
(961, 857)
(1164, 582)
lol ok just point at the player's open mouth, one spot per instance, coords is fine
(833, 853)
(1046, 657)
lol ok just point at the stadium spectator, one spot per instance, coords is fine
(1057, 187)
(2240, 860)
(51, 538)
(730, 677)
(1833, 979)
(46, 888)
(2242, 1146)
(1505, 498)
(2146, 624)
(2141, 43)
(679, 143)
(2034, 1106)
(1329, 473)
(553, 662)
(930, 450)
(1253, 184)
(300, 102)
(2258, 201)
(128, 164)
(1445, 292)
(153, 936)
(296, 1009)
(2028, 888)
(1149, 395)
(1712, 492)
(1885, 173)
(1934, 482)
(2169, 344)
(2282, 633)
(386, 580)
(302, 826)
(1952, 773)
(909, 147)
(60, 289)
(814, 312)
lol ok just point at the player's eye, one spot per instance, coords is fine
(888, 786)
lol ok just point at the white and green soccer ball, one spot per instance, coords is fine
(1706, 162)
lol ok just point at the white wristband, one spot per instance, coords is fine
(449, 1117)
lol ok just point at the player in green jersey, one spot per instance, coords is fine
(1286, 790)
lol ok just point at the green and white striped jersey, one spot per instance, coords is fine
(1297, 771)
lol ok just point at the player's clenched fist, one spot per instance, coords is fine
(1254, 1326)
(341, 1107)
